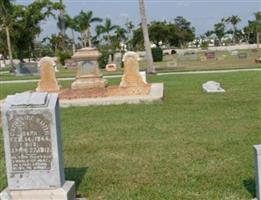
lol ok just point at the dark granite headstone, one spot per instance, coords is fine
(25, 69)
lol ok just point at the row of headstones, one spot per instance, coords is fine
(33, 69)
(33, 150)
(131, 77)
(211, 55)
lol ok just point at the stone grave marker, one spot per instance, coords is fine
(212, 87)
(48, 82)
(88, 73)
(242, 55)
(111, 68)
(25, 69)
(70, 63)
(131, 76)
(172, 63)
(210, 55)
(33, 149)
(234, 53)
(257, 158)
(118, 60)
(143, 75)
(188, 57)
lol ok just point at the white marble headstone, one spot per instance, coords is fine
(143, 75)
(32, 141)
(212, 86)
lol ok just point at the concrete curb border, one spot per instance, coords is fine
(156, 94)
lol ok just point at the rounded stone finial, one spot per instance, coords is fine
(130, 54)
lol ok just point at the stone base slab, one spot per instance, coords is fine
(67, 192)
(86, 83)
(156, 94)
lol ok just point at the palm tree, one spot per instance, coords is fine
(121, 34)
(106, 29)
(61, 20)
(56, 42)
(5, 10)
(234, 20)
(219, 30)
(257, 29)
(151, 67)
(72, 24)
(84, 21)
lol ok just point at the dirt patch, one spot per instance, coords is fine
(104, 92)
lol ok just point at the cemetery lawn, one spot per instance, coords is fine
(224, 60)
(192, 146)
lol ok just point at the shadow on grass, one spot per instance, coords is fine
(75, 174)
(250, 185)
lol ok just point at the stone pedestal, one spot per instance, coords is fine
(66, 192)
(88, 74)
(33, 148)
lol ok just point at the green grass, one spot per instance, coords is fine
(193, 146)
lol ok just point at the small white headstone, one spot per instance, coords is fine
(212, 86)
(56, 69)
(234, 53)
(143, 75)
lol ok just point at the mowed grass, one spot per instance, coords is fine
(191, 146)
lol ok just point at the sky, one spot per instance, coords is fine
(203, 14)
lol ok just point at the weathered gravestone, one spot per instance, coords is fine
(212, 87)
(131, 76)
(33, 149)
(143, 75)
(234, 53)
(210, 55)
(173, 63)
(70, 63)
(88, 73)
(111, 67)
(24, 69)
(118, 59)
(48, 82)
(188, 57)
(257, 157)
(242, 55)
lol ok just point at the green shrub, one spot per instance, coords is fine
(157, 54)
(104, 58)
(62, 56)
(173, 51)
(204, 45)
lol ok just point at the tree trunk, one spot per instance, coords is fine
(151, 67)
(257, 44)
(73, 41)
(234, 35)
(62, 25)
(89, 37)
(9, 49)
(83, 40)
